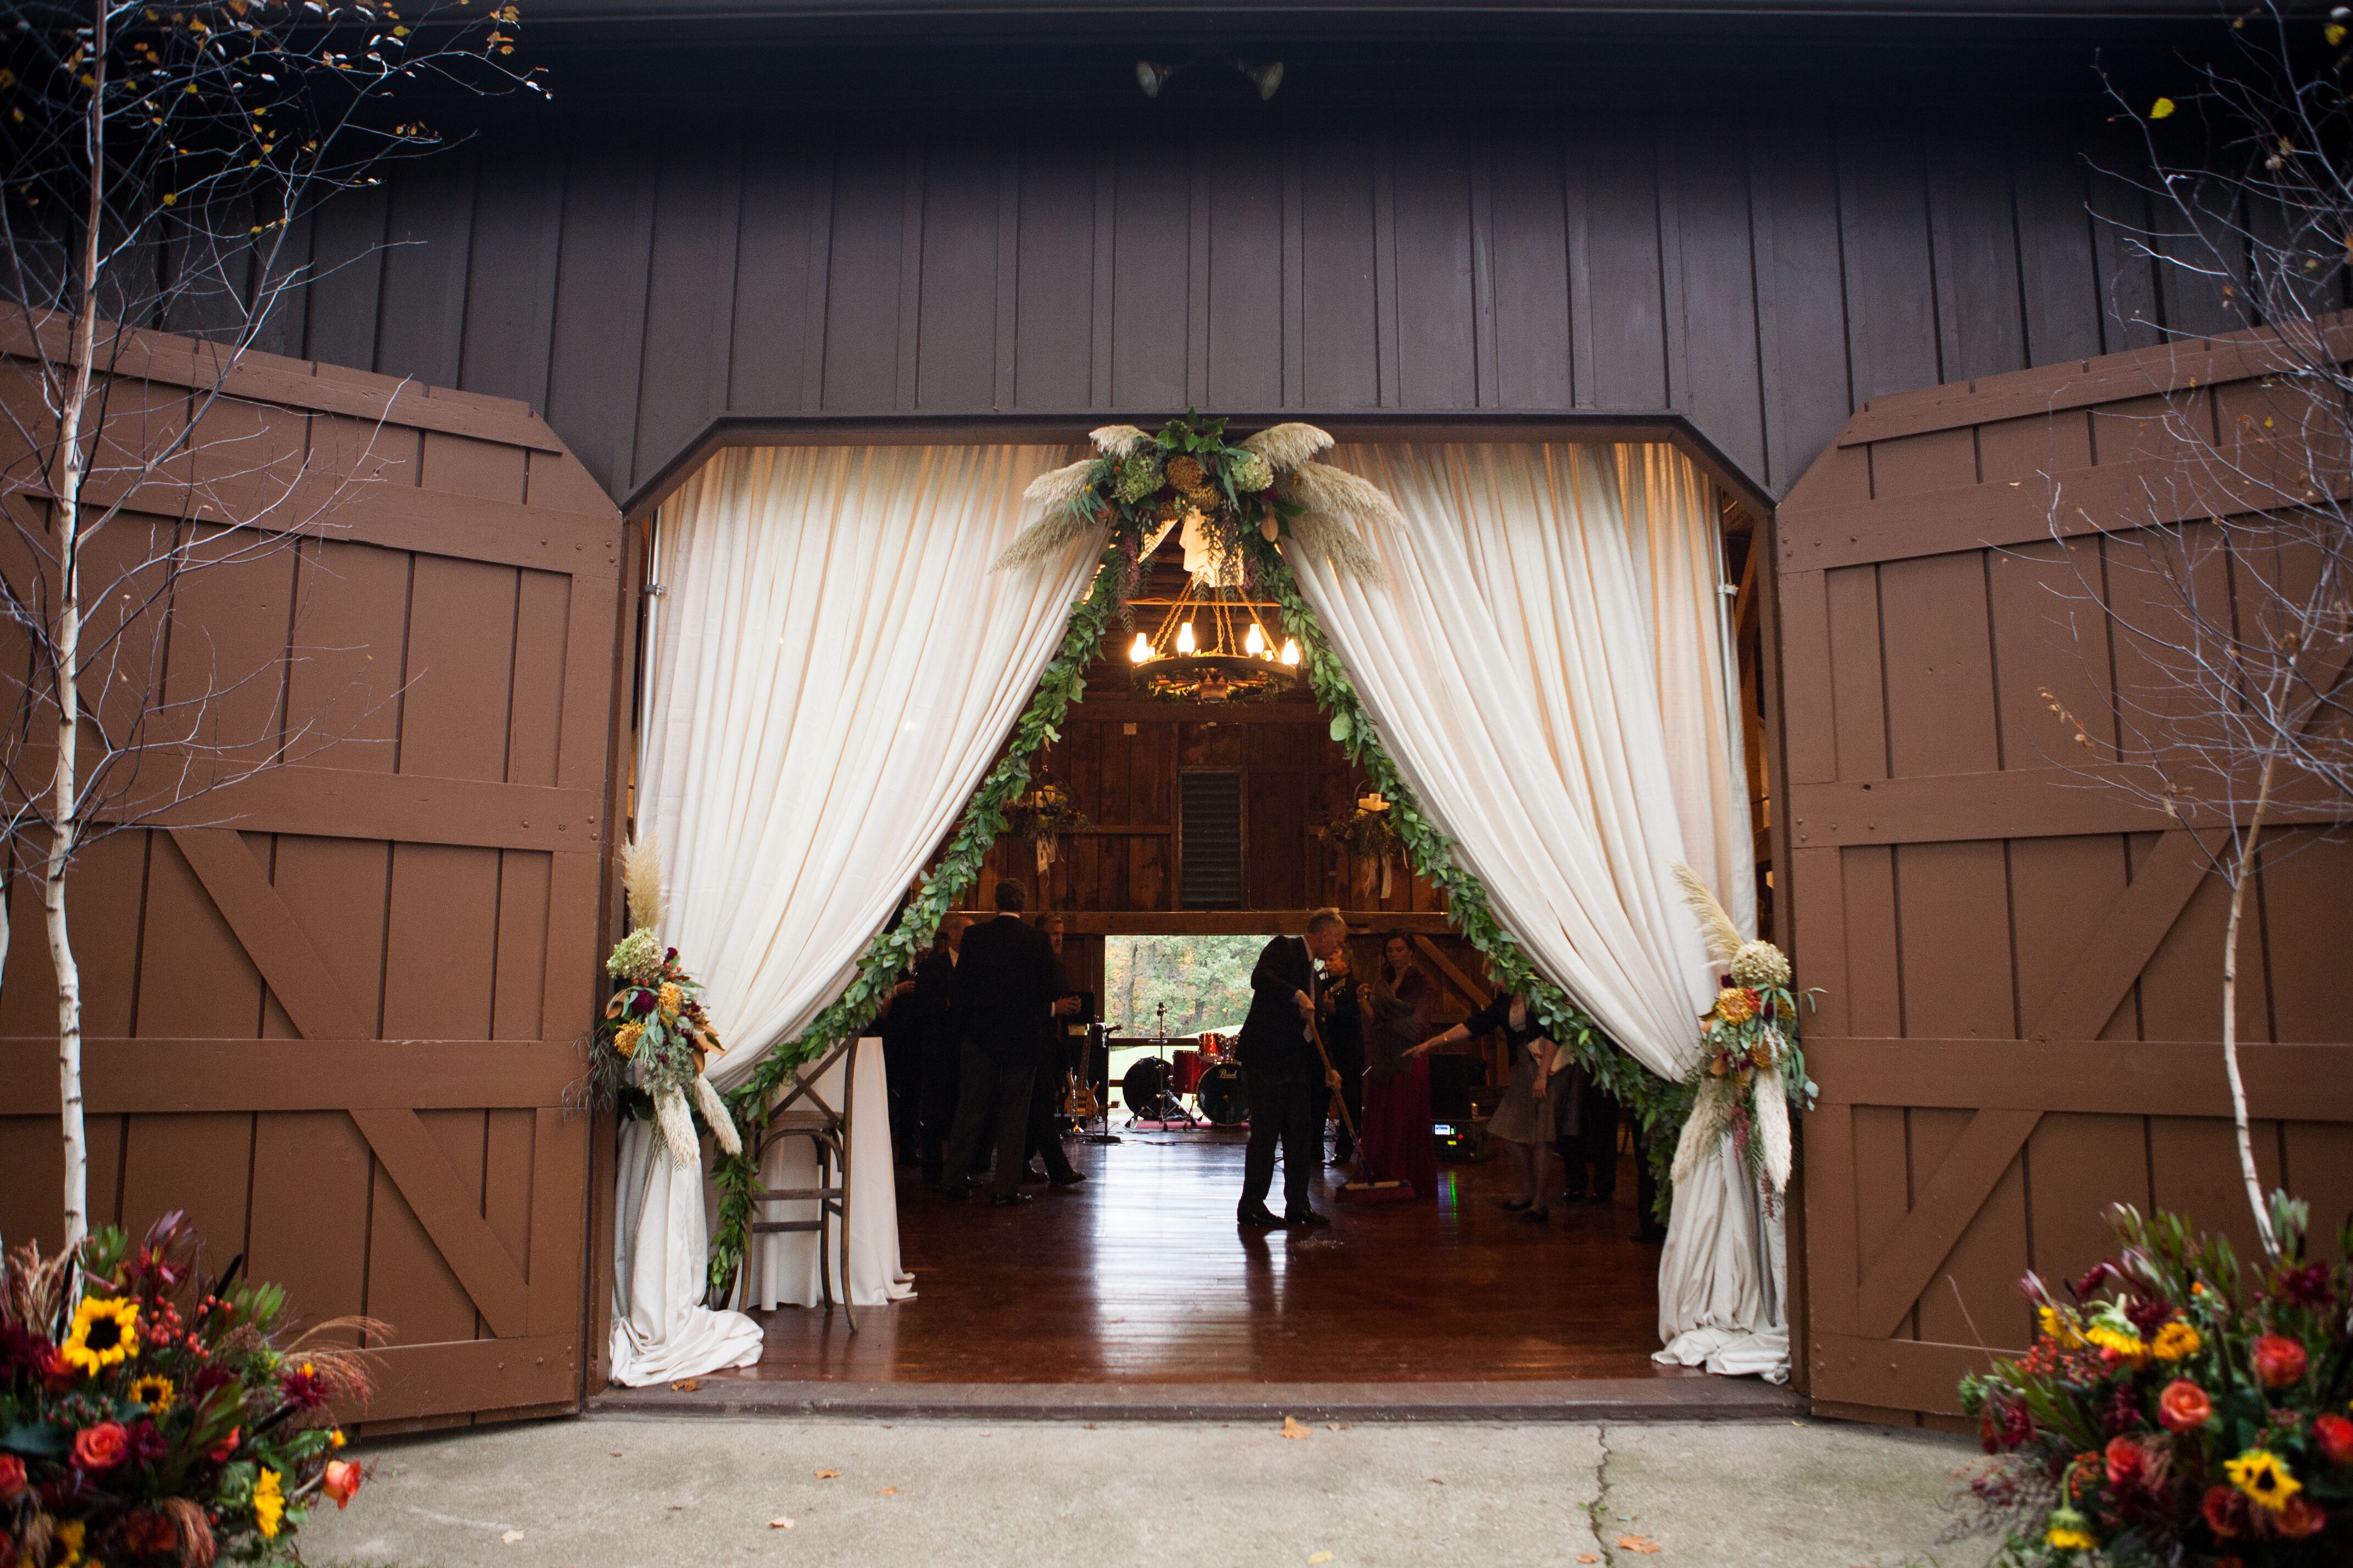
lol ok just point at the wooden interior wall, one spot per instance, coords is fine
(332, 1009)
(1027, 236)
(2020, 973)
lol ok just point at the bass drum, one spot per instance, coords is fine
(1144, 1089)
(1221, 1097)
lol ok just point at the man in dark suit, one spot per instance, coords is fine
(934, 1010)
(1283, 1075)
(1006, 985)
(1044, 1143)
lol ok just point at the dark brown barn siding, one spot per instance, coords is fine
(1758, 263)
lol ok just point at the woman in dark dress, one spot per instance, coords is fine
(1540, 1106)
(1399, 1140)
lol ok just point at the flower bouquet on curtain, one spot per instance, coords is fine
(1751, 1069)
(650, 1048)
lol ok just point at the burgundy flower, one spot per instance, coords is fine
(102, 1447)
(210, 1378)
(304, 1389)
(2301, 1519)
(148, 1444)
(2122, 1413)
(2093, 1280)
(2278, 1360)
(21, 1350)
(2147, 1315)
(642, 1002)
(2306, 1287)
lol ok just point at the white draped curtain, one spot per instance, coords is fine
(834, 667)
(1550, 664)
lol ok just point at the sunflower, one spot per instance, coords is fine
(268, 1504)
(2067, 1532)
(2259, 1473)
(2176, 1340)
(154, 1391)
(1735, 1004)
(105, 1333)
(626, 1039)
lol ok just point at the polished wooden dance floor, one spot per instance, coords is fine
(1140, 1275)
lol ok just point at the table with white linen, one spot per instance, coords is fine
(783, 1268)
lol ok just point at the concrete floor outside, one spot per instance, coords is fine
(624, 1492)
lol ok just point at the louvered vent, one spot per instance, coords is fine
(1211, 827)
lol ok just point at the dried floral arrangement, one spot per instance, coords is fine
(149, 1415)
(1367, 832)
(1751, 1069)
(649, 1049)
(1042, 816)
(2175, 1410)
(1141, 486)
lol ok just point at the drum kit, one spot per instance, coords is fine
(1156, 1087)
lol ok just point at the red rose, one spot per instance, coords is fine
(100, 1448)
(2226, 1511)
(57, 1372)
(12, 1478)
(2334, 1434)
(2301, 1519)
(342, 1481)
(2278, 1360)
(2128, 1466)
(219, 1452)
(2183, 1406)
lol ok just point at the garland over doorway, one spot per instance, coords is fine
(1128, 489)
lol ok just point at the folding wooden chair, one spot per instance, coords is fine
(803, 1112)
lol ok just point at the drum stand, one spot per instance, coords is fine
(1174, 1102)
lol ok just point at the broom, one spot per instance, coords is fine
(1364, 1189)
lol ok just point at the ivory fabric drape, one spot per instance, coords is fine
(1551, 666)
(834, 667)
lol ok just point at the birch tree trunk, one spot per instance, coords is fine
(67, 656)
(2240, 872)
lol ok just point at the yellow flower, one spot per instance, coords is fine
(2066, 1538)
(268, 1504)
(1733, 1005)
(2176, 1342)
(625, 1040)
(2333, 33)
(2055, 1327)
(154, 1391)
(69, 1535)
(105, 1333)
(334, 1437)
(670, 996)
(2259, 1473)
(2128, 1346)
(2160, 109)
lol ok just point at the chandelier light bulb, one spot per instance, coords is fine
(1142, 651)
(1185, 637)
(1254, 643)
(1290, 651)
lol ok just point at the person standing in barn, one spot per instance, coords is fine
(1284, 1074)
(1005, 987)
(1340, 1009)
(935, 1011)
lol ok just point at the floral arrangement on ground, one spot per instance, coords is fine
(2175, 1410)
(158, 1417)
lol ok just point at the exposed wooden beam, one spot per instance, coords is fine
(1471, 988)
(1119, 708)
(2012, 803)
(438, 1194)
(2298, 1082)
(1236, 922)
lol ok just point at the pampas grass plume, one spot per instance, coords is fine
(714, 1112)
(1773, 1128)
(1117, 440)
(1723, 938)
(641, 881)
(1711, 1119)
(676, 1125)
(1286, 447)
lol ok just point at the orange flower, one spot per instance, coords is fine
(1735, 1004)
(2278, 1360)
(2183, 1406)
(342, 1481)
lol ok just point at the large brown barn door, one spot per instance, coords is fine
(2021, 975)
(332, 1013)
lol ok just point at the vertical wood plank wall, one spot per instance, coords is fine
(332, 1010)
(2020, 972)
(1759, 264)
